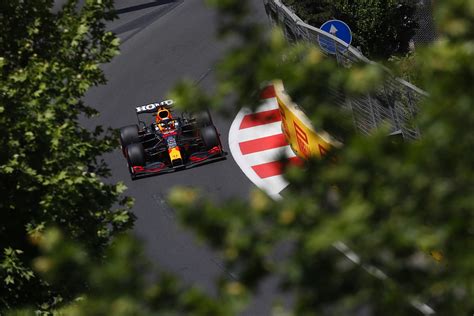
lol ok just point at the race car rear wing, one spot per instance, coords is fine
(151, 108)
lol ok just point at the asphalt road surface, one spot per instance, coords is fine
(163, 42)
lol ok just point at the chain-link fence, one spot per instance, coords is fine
(394, 103)
(426, 32)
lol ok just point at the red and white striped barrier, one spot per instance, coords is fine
(257, 144)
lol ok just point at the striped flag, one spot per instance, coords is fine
(257, 144)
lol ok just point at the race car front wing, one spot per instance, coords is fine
(196, 159)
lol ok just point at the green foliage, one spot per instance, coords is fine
(50, 173)
(395, 204)
(120, 283)
(313, 12)
(392, 203)
(381, 28)
(406, 67)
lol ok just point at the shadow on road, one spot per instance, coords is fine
(143, 6)
(140, 23)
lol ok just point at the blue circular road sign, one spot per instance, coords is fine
(340, 30)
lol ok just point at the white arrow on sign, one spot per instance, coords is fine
(333, 29)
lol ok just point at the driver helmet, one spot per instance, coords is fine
(163, 114)
(164, 120)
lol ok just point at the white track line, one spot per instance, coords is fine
(269, 155)
(259, 131)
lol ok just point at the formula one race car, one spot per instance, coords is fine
(169, 142)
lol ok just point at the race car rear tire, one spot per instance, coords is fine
(203, 118)
(136, 154)
(129, 135)
(210, 137)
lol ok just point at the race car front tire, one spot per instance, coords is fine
(210, 137)
(136, 154)
(203, 118)
(129, 135)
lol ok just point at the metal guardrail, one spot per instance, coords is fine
(394, 103)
